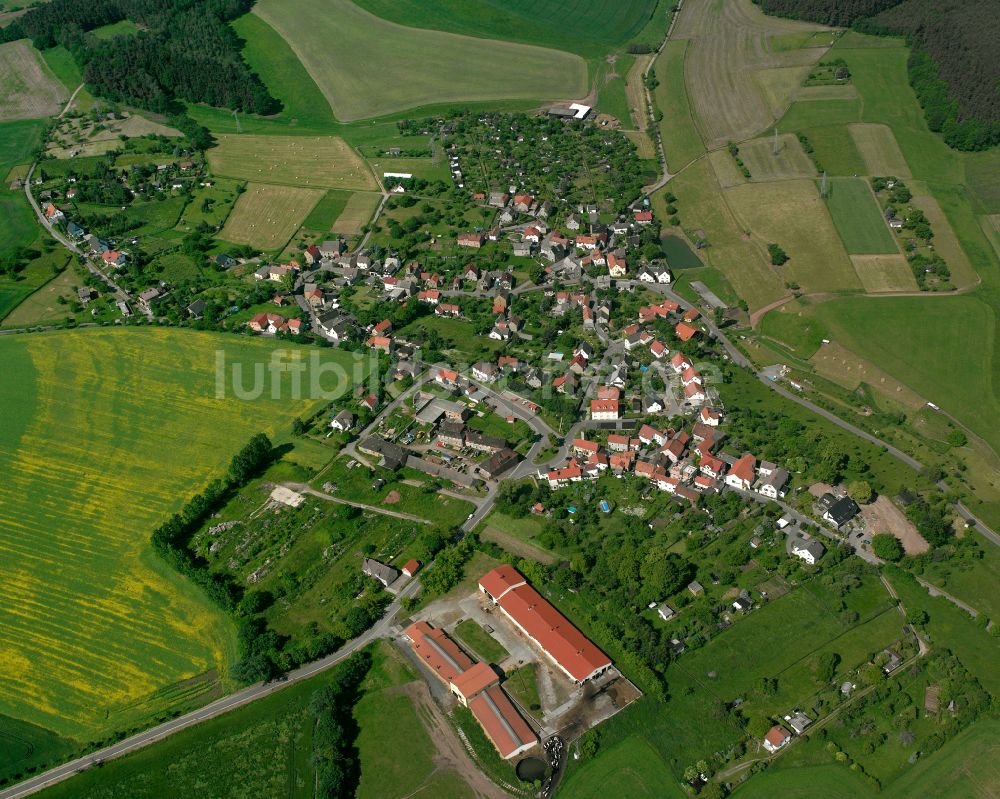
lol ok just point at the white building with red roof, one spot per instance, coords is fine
(571, 651)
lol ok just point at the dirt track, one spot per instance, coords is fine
(451, 754)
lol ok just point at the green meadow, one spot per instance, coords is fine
(588, 28)
(857, 217)
(407, 67)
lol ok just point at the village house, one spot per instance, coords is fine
(776, 738)
(474, 240)
(604, 410)
(741, 474)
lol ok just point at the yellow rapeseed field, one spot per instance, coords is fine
(104, 434)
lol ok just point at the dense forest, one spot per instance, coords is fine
(184, 50)
(953, 65)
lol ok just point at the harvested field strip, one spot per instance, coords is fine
(792, 214)
(730, 250)
(357, 213)
(92, 623)
(268, 216)
(858, 219)
(635, 91)
(945, 241)
(879, 148)
(305, 161)
(790, 161)
(28, 89)
(644, 146)
(846, 369)
(515, 545)
(406, 67)
(729, 45)
(880, 273)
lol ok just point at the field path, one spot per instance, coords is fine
(305, 488)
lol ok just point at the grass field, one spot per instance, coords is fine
(25, 746)
(730, 250)
(792, 214)
(19, 227)
(736, 82)
(315, 161)
(327, 210)
(270, 56)
(357, 213)
(925, 343)
(267, 216)
(790, 161)
(405, 67)
(124, 27)
(638, 773)
(884, 273)
(94, 630)
(28, 89)
(879, 149)
(681, 139)
(832, 781)
(857, 218)
(591, 26)
(612, 94)
(40, 303)
(480, 642)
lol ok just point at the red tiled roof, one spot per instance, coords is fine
(570, 648)
(437, 651)
(501, 722)
(685, 332)
(411, 566)
(477, 678)
(744, 468)
(777, 735)
(604, 406)
(500, 580)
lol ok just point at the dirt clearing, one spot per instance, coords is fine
(882, 516)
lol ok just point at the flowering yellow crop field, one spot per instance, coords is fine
(103, 434)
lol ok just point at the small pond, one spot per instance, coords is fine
(530, 769)
(679, 254)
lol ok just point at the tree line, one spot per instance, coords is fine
(952, 65)
(185, 50)
(263, 652)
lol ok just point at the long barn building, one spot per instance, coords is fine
(575, 654)
(476, 685)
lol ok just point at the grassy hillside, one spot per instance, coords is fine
(105, 433)
(405, 68)
(585, 27)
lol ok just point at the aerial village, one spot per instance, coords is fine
(545, 344)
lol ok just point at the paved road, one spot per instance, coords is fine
(379, 630)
